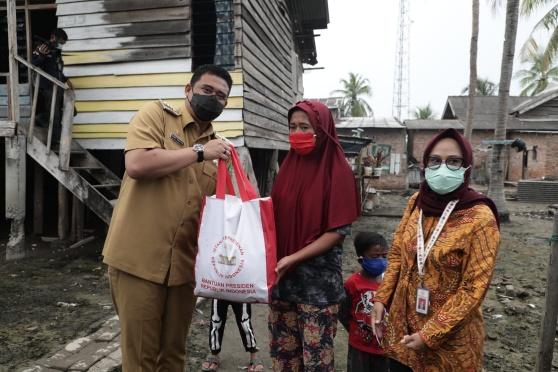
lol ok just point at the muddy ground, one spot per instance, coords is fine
(57, 294)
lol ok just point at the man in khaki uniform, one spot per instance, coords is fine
(152, 239)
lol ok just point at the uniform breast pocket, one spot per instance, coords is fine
(208, 178)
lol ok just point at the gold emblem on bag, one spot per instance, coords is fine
(229, 261)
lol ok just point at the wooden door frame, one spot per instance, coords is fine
(28, 32)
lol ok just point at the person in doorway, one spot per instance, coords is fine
(152, 239)
(365, 352)
(48, 57)
(315, 201)
(243, 315)
(440, 267)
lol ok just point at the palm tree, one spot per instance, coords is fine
(472, 70)
(424, 112)
(354, 88)
(539, 75)
(548, 23)
(484, 88)
(497, 174)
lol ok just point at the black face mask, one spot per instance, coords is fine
(206, 108)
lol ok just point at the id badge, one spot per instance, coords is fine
(423, 300)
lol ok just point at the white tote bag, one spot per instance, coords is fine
(237, 249)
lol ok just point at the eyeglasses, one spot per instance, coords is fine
(452, 162)
(209, 91)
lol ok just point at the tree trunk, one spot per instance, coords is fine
(497, 173)
(472, 71)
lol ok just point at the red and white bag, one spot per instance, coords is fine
(237, 249)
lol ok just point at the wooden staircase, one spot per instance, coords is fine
(73, 166)
(87, 178)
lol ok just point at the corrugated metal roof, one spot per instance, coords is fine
(535, 101)
(311, 14)
(486, 115)
(307, 16)
(418, 124)
(368, 122)
(330, 102)
(353, 145)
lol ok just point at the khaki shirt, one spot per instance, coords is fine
(154, 227)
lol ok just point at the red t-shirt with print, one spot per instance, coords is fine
(361, 291)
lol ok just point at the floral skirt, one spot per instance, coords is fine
(302, 336)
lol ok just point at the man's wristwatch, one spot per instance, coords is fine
(198, 148)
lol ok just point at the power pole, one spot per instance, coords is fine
(401, 81)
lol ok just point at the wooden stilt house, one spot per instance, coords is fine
(122, 54)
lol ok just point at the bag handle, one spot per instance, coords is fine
(245, 189)
(222, 173)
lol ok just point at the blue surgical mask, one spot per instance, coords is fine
(374, 266)
(444, 180)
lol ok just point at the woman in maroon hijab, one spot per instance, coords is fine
(440, 266)
(315, 200)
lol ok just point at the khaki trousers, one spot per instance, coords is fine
(154, 321)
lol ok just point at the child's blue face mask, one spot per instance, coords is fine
(373, 266)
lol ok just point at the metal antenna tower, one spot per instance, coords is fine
(401, 81)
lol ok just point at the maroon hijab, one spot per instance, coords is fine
(316, 193)
(433, 204)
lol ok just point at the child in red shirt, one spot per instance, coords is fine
(365, 352)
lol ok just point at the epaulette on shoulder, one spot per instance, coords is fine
(168, 108)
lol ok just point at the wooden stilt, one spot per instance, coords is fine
(15, 195)
(78, 219)
(38, 200)
(73, 224)
(548, 324)
(271, 173)
(63, 212)
(15, 149)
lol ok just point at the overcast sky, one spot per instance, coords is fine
(361, 38)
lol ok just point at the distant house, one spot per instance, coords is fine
(388, 136)
(533, 119)
(420, 131)
(334, 104)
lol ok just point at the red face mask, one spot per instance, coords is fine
(302, 143)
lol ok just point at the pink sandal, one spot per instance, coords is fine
(211, 363)
(256, 365)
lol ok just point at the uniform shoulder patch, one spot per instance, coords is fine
(168, 108)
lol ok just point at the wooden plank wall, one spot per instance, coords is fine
(24, 99)
(123, 54)
(272, 73)
(225, 42)
(24, 96)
